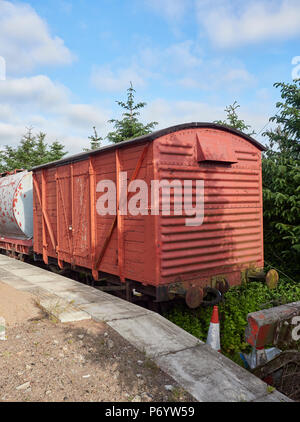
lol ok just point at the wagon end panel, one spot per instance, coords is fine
(230, 238)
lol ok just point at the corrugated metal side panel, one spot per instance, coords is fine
(139, 252)
(69, 208)
(230, 237)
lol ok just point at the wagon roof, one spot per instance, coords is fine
(151, 137)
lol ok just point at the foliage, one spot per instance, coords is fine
(95, 141)
(281, 184)
(129, 127)
(238, 302)
(285, 139)
(281, 177)
(281, 194)
(32, 151)
(233, 121)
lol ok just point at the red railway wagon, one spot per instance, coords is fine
(158, 254)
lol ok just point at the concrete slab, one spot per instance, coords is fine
(211, 377)
(37, 291)
(17, 265)
(50, 283)
(3, 272)
(4, 260)
(38, 279)
(21, 272)
(61, 309)
(15, 282)
(81, 296)
(153, 334)
(112, 308)
(275, 396)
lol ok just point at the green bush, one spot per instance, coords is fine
(239, 301)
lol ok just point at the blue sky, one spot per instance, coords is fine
(67, 62)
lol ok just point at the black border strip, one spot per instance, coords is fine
(150, 137)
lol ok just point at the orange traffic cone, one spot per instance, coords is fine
(213, 336)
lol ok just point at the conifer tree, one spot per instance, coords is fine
(129, 127)
(95, 141)
(31, 151)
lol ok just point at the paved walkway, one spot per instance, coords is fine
(204, 373)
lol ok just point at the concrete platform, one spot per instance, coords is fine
(207, 375)
(153, 334)
(210, 376)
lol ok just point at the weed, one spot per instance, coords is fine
(6, 354)
(149, 364)
(177, 393)
(54, 310)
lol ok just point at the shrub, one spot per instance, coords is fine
(238, 302)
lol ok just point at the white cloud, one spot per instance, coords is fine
(176, 58)
(9, 133)
(6, 112)
(234, 24)
(171, 9)
(25, 40)
(105, 79)
(84, 115)
(47, 106)
(220, 75)
(39, 90)
(238, 75)
(37, 101)
(150, 63)
(169, 113)
(178, 65)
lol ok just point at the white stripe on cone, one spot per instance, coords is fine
(213, 336)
